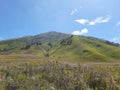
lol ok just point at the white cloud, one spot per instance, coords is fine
(118, 24)
(116, 39)
(95, 21)
(82, 32)
(100, 20)
(73, 11)
(82, 21)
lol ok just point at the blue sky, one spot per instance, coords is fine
(97, 18)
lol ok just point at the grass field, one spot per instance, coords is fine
(51, 74)
(57, 61)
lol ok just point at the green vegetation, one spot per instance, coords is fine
(57, 76)
(60, 45)
(58, 61)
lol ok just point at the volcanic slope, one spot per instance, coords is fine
(59, 45)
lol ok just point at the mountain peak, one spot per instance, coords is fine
(57, 44)
(53, 32)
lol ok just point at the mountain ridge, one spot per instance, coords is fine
(61, 45)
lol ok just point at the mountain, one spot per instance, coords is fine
(58, 45)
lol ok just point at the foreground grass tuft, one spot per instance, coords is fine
(58, 76)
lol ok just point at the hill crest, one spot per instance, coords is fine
(61, 45)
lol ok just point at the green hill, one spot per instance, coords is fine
(60, 46)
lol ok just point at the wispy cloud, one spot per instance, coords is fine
(82, 32)
(116, 38)
(73, 11)
(82, 21)
(98, 20)
(118, 24)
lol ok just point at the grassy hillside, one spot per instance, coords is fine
(60, 46)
